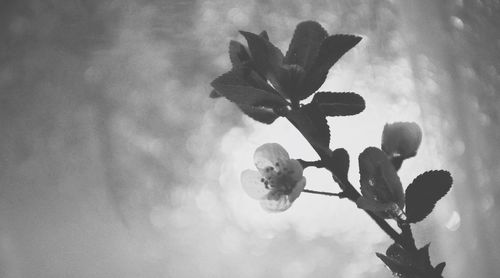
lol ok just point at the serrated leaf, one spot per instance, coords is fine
(330, 52)
(238, 54)
(378, 178)
(312, 123)
(260, 114)
(339, 104)
(265, 56)
(424, 192)
(401, 140)
(235, 88)
(305, 44)
(440, 267)
(340, 163)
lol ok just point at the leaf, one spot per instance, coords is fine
(265, 56)
(398, 253)
(409, 264)
(235, 88)
(312, 123)
(379, 179)
(340, 163)
(397, 268)
(423, 256)
(238, 54)
(287, 81)
(339, 104)
(401, 140)
(264, 35)
(440, 267)
(424, 192)
(260, 114)
(305, 44)
(333, 48)
(330, 52)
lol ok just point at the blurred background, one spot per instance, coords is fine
(115, 163)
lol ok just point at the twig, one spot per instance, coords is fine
(352, 194)
(340, 195)
(317, 163)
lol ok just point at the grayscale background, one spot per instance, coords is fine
(115, 163)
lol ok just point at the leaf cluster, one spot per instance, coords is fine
(411, 264)
(265, 84)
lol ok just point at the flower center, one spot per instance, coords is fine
(278, 178)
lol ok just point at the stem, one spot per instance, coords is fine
(317, 164)
(340, 195)
(352, 194)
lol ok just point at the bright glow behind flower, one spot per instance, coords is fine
(278, 181)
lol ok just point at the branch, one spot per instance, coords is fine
(352, 194)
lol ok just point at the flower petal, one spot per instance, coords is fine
(279, 204)
(297, 189)
(253, 185)
(268, 155)
(294, 169)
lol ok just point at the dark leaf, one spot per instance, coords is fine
(238, 54)
(340, 163)
(265, 56)
(235, 88)
(288, 78)
(409, 264)
(378, 178)
(400, 141)
(264, 35)
(312, 123)
(339, 104)
(330, 52)
(398, 253)
(305, 44)
(255, 80)
(423, 256)
(260, 114)
(397, 268)
(440, 267)
(424, 192)
(214, 94)
(333, 48)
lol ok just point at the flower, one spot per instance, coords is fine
(278, 181)
(401, 139)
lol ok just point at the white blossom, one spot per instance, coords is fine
(278, 181)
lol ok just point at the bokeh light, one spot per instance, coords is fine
(115, 163)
